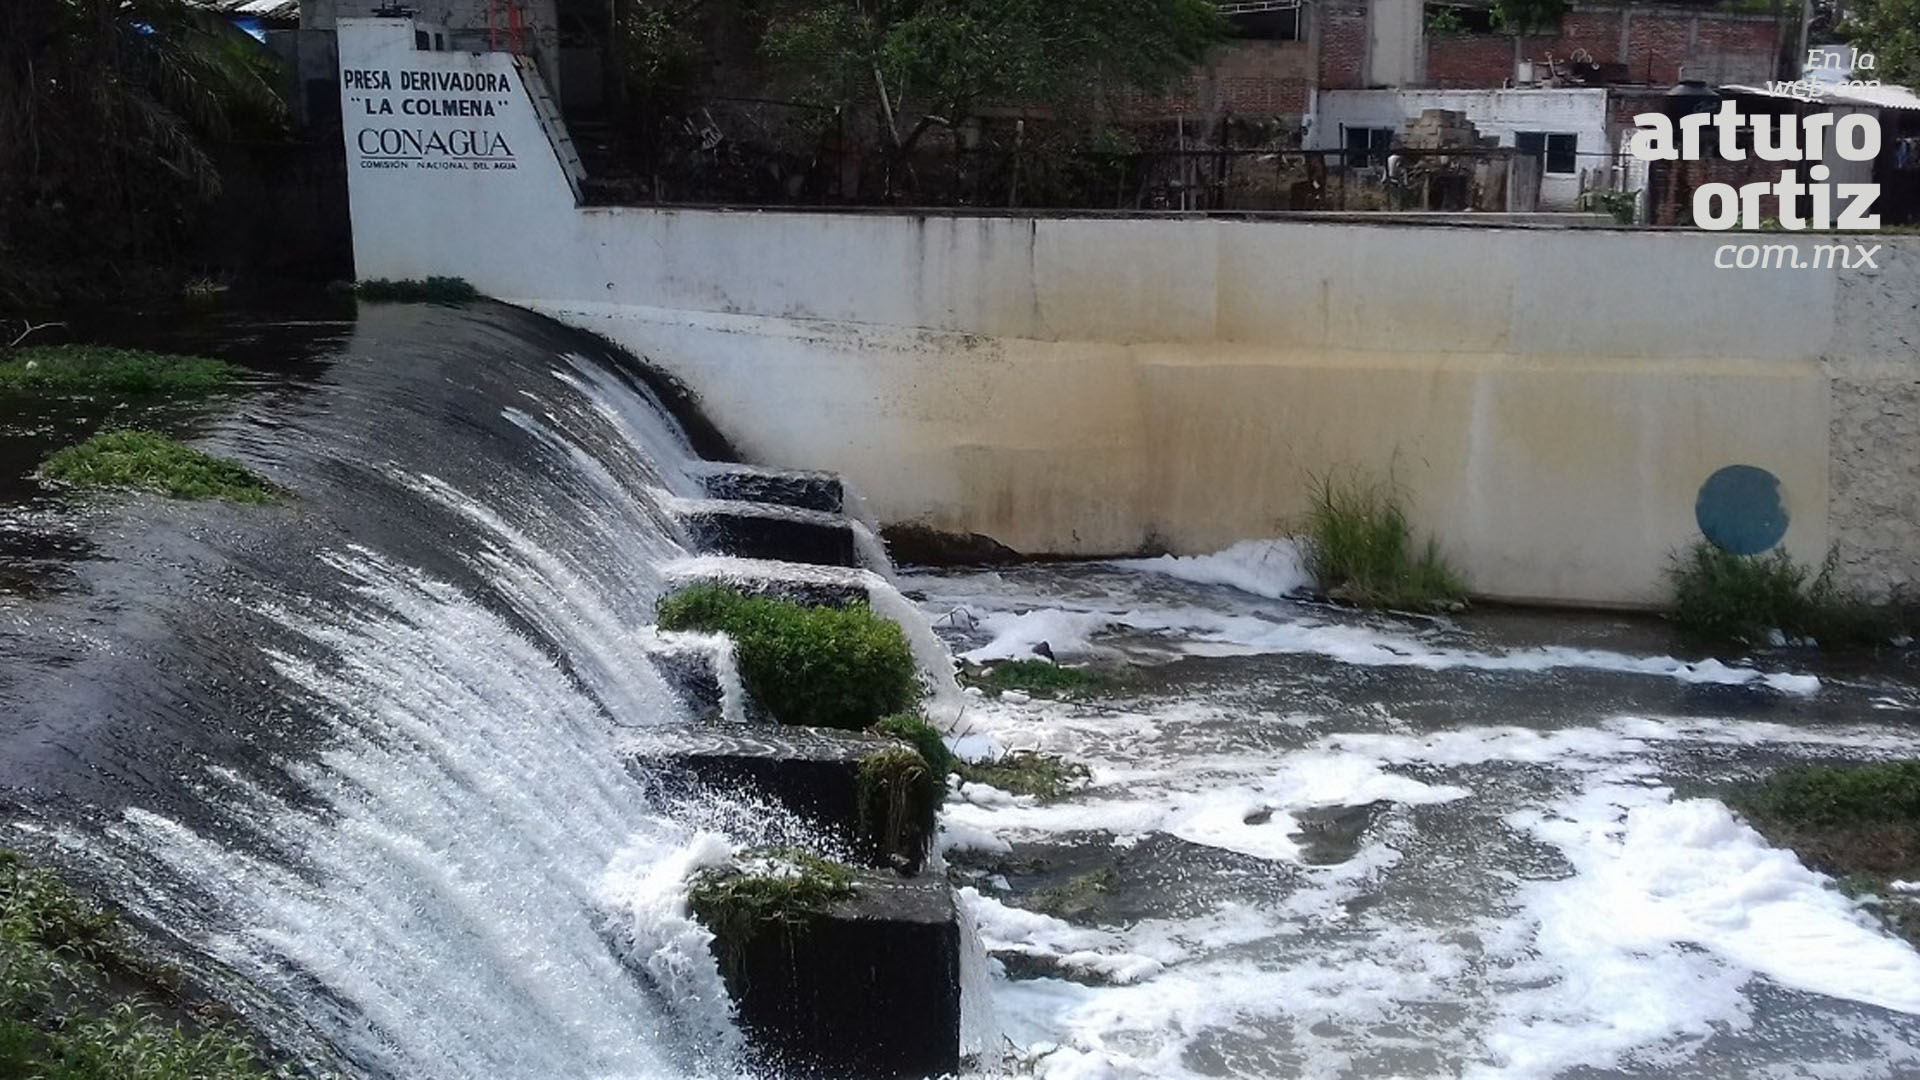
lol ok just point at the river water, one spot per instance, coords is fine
(1333, 845)
(354, 762)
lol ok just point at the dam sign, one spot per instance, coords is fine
(404, 117)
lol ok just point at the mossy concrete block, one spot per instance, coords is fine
(868, 988)
(765, 531)
(806, 490)
(814, 772)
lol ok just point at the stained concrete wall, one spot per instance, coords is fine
(1551, 400)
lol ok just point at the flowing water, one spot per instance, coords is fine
(1325, 845)
(357, 756)
(355, 761)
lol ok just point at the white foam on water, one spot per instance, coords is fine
(1198, 631)
(1269, 568)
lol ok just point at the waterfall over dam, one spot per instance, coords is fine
(359, 755)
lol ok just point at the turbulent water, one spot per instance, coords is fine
(356, 761)
(1332, 846)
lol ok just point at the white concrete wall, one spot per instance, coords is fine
(1552, 400)
(1396, 31)
(1495, 112)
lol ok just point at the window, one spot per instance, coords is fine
(1460, 19)
(1367, 146)
(1266, 23)
(1561, 151)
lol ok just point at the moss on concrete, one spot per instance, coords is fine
(899, 799)
(769, 890)
(913, 728)
(838, 667)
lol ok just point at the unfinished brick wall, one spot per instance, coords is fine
(1342, 33)
(1240, 78)
(1659, 46)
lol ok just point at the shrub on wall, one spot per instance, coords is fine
(818, 666)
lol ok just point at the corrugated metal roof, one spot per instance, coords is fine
(1872, 97)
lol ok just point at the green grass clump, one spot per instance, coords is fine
(97, 369)
(914, 728)
(1363, 549)
(450, 291)
(1838, 795)
(772, 889)
(1720, 596)
(1026, 772)
(149, 461)
(838, 667)
(1859, 824)
(1037, 676)
(899, 799)
(64, 1011)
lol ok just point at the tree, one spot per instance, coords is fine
(916, 65)
(108, 109)
(1890, 30)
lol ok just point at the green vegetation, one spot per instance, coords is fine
(1858, 823)
(64, 1012)
(447, 291)
(771, 889)
(96, 368)
(149, 461)
(1079, 898)
(1720, 596)
(1026, 772)
(1363, 549)
(901, 70)
(913, 728)
(108, 111)
(1038, 676)
(899, 798)
(817, 666)
(1621, 205)
(1890, 30)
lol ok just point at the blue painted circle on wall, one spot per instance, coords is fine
(1740, 510)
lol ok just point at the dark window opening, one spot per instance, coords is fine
(1280, 24)
(1367, 146)
(1460, 19)
(1561, 151)
(421, 41)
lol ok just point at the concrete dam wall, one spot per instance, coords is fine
(1551, 401)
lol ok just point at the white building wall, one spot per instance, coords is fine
(1502, 113)
(1551, 399)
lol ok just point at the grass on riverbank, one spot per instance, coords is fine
(1858, 823)
(64, 1011)
(1720, 596)
(68, 369)
(446, 291)
(838, 667)
(1026, 772)
(1032, 676)
(150, 461)
(1363, 549)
